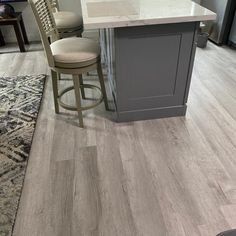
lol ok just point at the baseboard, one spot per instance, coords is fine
(148, 114)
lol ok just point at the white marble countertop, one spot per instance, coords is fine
(121, 13)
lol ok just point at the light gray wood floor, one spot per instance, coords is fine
(167, 177)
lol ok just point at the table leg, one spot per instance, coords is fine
(19, 36)
(2, 41)
(22, 25)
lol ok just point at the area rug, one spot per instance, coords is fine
(20, 99)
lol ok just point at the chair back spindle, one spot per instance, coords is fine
(46, 23)
(54, 5)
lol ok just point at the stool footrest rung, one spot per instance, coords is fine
(74, 108)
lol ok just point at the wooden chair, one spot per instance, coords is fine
(19, 28)
(68, 56)
(68, 23)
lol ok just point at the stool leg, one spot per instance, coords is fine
(22, 25)
(2, 41)
(102, 84)
(19, 37)
(78, 100)
(80, 33)
(58, 76)
(82, 88)
(55, 90)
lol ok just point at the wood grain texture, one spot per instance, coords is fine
(167, 177)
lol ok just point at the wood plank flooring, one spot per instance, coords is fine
(167, 177)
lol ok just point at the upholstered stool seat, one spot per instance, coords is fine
(66, 20)
(75, 52)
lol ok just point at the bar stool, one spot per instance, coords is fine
(68, 23)
(68, 56)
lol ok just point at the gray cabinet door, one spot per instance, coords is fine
(153, 65)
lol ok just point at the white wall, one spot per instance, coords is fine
(197, 1)
(70, 5)
(30, 24)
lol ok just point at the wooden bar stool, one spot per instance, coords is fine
(68, 23)
(71, 55)
(19, 28)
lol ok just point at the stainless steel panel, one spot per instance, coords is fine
(218, 6)
(219, 30)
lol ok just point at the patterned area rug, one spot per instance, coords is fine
(20, 99)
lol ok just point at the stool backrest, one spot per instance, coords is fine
(54, 5)
(47, 27)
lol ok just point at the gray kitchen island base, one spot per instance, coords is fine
(149, 69)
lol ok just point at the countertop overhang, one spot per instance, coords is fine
(122, 13)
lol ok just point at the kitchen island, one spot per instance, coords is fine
(148, 47)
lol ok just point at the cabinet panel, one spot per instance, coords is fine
(152, 65)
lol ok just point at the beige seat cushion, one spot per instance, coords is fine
(75, 52)
(68, 20)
